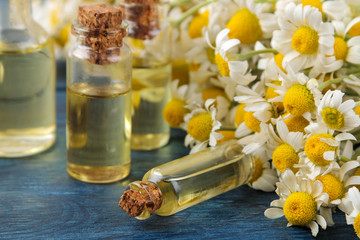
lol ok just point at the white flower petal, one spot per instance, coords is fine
(321, 221)
(274, 213)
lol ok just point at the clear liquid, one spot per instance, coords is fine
(200, 176)
(98, 132)
(27, 101)
(151, 93)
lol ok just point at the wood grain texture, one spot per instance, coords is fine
(39, 200)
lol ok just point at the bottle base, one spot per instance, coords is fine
(98, 174)
(17, 145)
(149, 141)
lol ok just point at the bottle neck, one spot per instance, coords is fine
(15, 14)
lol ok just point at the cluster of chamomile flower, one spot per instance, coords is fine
(283, 79)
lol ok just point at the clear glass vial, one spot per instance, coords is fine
(98, 97)
(182, 183)
(27, 82)
(149, 40)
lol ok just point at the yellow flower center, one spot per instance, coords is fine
(298, 100)
(305, 40)
(285, 156)
(340, 48)
(357, 110)
(174, 112)
(197, 24)
(63, 35)
(313, 3)
(357, 225)
(297, 124)
(333, 118)
(240, 114)
(314, 149)
(222, 65)
(228, 134)
(180, 71)
(355, 30)
(199, 127)
(278, 60)
(258, 170)
(212, 93)
(300, 208)
(252, 122)
(332, 186)
(194, 67)
(245, 26)
(270, 93)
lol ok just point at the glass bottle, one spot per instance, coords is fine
(27, 82)
(149, 40)
(182, 183)
(98, 97)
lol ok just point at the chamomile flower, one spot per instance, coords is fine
(223, 45)
(303, 36)
(175, 109)
(286, 147)
(299, 202)
(201, 126)
(298, 93)
(252, 22)
(336, 114)
(351, 207)
(264, 177)
(346, 50)
(257, 109)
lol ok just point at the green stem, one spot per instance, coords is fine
(178, 3)
(344, 159)
(353, 70)
(334, 81)
(191, 11)
(245, 56)
(357, 104)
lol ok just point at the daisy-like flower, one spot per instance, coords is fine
(298, 93)
(321, 150)
(303, 36)
(175, 109)
(223, 45)
(336, 9)
(299, 202)
(286, 147)
(222, 102)
(346, 50)
(263, 178)
(336, 114)
(351, 207)
(201, 126)
(257, 109)
(252, 22)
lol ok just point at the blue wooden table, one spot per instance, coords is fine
(39, 200)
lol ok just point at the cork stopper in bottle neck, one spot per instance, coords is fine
(143, 18)
(146, 198)
(99, 28)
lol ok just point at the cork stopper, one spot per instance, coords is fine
(135, 202)
(100, 29)
(143, 18)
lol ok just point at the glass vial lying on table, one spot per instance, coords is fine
(182, 183)
(98, 97)
(149, 40)
(27, 82)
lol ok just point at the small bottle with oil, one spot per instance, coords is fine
(27, 82)
(182, 183)
(98, 97)
(149, 40)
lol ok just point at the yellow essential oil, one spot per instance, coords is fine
(27, 100)
(98, 132)
(150, 95)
